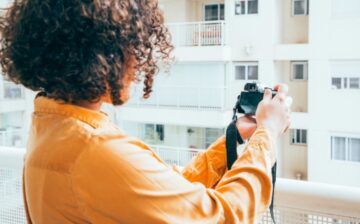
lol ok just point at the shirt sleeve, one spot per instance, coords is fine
(209, 166)
(124, 183)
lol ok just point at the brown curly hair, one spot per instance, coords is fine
(76, 50)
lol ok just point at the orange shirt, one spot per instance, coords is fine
(81, 168)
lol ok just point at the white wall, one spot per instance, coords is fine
(185, 10)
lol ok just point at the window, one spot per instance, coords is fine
(345, 148)
(299, 70)
(354, 83)
(345, 83)
(300, 7)
(214, 12)
(299, 137)
(247, 71)
(243, 7)
(154, 133)
(211, 135)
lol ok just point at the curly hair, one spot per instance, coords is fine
(77, 50)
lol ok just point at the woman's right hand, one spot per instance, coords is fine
(273, 114)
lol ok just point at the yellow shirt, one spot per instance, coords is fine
(81, 168)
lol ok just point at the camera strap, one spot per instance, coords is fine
(232, 137)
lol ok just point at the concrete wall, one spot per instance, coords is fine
(298, 89)
(185, 10)
(294, 28)
(293, 159)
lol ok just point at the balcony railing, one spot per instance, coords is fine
(192, 98)
(11, 91)
(296, 202)
(209, 33)
(11, 203)
(11, 138)
(175, 155)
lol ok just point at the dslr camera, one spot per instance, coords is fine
(249, 99)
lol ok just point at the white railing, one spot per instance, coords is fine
(11, 138)
(182, 97)
(175, 155)
(12, 91)
(209, 33)
(11, 203)
(303, 202)
(296, 202)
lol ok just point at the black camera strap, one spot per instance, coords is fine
(233, 136)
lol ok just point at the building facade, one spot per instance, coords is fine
(223, 44)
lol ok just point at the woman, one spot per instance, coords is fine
(81, 168)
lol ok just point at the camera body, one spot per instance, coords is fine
(250, 98)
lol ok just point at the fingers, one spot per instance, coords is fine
(282, 88)
(267, 95)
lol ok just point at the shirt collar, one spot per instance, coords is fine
(91, 117)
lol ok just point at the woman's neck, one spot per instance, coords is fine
(89, 105)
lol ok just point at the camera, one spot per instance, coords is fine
(249, 99)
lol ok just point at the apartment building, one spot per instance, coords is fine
(222, 44)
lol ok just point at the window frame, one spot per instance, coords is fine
(219, 11)
(246, 8)
(306, 70)
(347, 137)
(157, 136)
(246, 64)
(306, 13)
(295, 141)
(345, 83)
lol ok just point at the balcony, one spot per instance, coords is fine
(12, 138)
(175, 155)
(199, 41)
(181, 97)
(12, 97)
(295, 201)
(12, 91)
(191, 34)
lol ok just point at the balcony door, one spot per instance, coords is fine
(214, 12)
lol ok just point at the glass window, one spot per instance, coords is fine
(253, 72)
(247, 71)
(211, 12)
(214, 12)
(338, 148)
(243, 7)
(240, 72)
(354, 149)
(336, 83)
(252, 6)
(240, 7)
(354, 83)
(299, 136)
(299, 70)
(300, 7)
(222, 11)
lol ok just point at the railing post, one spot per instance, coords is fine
(198, 98)
(199, 31)
(222, 24)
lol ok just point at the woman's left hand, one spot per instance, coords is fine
(246, 126)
